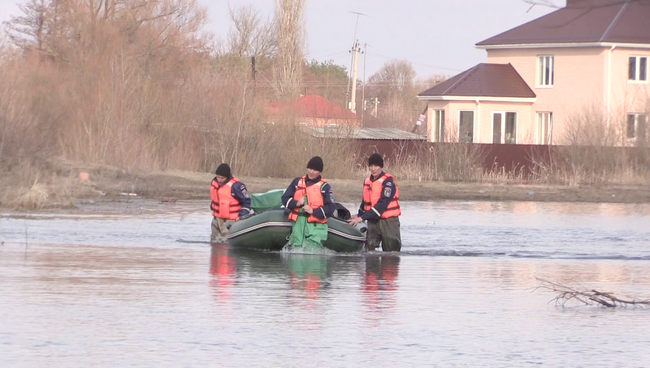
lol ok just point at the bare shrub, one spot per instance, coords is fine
(594, 153)
(591, 126)
(281, 149)
(31, 185)
(99, 81)
(440, 162)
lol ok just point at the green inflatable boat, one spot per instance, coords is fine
(269, 228)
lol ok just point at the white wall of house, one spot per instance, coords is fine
(483, 121)
(586, 80)
(629, 96)
(633, 94)
(453, 113)
(433, 108)
(500, 113)
(579, 80)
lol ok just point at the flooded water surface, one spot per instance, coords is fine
(143, 288)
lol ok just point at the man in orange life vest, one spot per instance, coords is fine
(230, 200)
(311, 202)
(380, 207)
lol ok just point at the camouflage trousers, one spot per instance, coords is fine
(385, 232)
(220, 230)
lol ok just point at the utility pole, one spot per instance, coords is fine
(353, 95)
(355, 50)
(375, 102)
(363, 88)
(254, 75)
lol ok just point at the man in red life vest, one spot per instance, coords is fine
(380, 207)
(311, 202)
(230, 200)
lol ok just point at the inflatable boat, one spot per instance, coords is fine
(270, 230)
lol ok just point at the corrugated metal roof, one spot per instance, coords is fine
(337, 131)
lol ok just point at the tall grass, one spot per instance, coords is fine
(439, 162)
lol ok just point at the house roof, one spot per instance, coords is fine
(312, 106)
(583, 21)
(483, 80)
(360, 133)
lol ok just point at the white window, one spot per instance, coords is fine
(544, 127)
(466, 127)
(504, 127)
(546, 68)
(636, 126)
(637, 69)
(439, 126)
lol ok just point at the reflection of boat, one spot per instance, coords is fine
(270, 230)
(277, 265)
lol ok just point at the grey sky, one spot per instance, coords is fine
(436, 36)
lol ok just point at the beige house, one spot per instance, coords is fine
(589, 59)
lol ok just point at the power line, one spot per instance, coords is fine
(329, 55)
(427, 65)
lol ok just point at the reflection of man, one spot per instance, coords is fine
(223, 269)
(379, 285)
(306, 273)
(384, 269)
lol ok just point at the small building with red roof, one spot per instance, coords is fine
(313, 110)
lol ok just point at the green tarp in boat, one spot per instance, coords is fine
(261, 202)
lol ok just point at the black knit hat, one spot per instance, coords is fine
(376, 159)
(316, 163)
(223, 170)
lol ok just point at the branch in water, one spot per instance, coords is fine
(566, 294)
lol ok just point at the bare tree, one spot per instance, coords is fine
(290, 28)
(548, 3)
(30, 29)
(394, 85)
(250, 34)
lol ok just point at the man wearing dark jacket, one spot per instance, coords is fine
(230, 201)
(380, 208)
(310, 202)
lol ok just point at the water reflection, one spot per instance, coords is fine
(379, 286)
(307, 273)
(306, 276)
(223, 269)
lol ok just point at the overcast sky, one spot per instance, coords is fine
(436, 36)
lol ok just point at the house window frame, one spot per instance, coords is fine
(473, 124)
(637, 69)
(439, 125)
(542, 76)
(546, 138)
(636, 116)
(504, 114)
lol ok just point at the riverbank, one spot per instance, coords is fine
(184, 185)
(82, 185)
